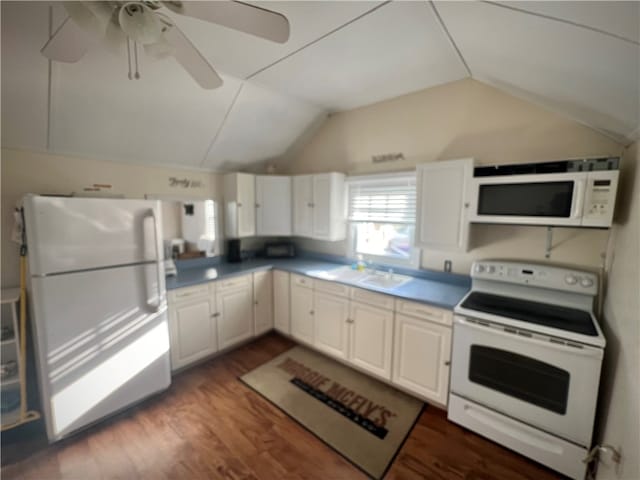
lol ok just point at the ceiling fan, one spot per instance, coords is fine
(143, 23)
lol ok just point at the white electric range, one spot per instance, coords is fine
(526, 359)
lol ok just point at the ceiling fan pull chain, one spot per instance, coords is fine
(135, 53)
(129, 57)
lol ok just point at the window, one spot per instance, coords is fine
(382, 215)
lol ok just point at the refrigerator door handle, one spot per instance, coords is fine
(152, 214)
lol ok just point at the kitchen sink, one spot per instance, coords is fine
(384, 280)
(368, 278)
(341, 274)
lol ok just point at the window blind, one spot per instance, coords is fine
(391, 200)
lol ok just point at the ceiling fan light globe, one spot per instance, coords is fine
(140, 23)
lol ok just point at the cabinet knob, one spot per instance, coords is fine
(257, 205)
(214, 315)
(239, 204)
(466, 205)
(255, 302)
(311, 312)
(447, 363)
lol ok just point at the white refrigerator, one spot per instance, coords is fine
(98, 306)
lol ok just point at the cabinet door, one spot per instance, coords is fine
(322, 206)
(193, 331)
(331, 327)
(281, 305)
(235, 316)
(422, 353)
(442, 204)
(246, 205)
(302, 313)
(371, 338)
(303, 205)
(262, 301)
(273, 205)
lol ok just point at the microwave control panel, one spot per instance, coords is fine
(600, 198)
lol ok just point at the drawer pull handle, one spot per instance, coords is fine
(214, 315)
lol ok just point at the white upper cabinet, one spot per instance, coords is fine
(319, 207)
(303, 205)
(273, 205)
(442, 204)
(239, 201)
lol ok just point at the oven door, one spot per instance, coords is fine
(533, 378)
(550, 199)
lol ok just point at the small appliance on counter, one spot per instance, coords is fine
(234, 252)
(280, 250)
(172, 249)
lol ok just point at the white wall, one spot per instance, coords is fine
(620, 396)
(31, 172)
(458, 120)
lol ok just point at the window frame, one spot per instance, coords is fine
(413, 261)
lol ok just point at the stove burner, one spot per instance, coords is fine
(563, 318)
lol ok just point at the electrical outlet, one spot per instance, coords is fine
(447, 266)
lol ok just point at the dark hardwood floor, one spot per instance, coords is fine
(208, 425)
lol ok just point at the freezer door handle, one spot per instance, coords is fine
(152, 214)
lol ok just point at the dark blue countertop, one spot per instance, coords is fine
(442, 290)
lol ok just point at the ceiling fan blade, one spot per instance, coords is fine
(191, 59)
(68, 44)
(237, 15)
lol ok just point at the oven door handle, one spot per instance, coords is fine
(586, 351)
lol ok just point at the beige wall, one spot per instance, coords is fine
(30, 172)
(457, 120)
(620, 393)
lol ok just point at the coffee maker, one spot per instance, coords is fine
(234, 252)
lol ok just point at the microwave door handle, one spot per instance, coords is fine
(578, 199)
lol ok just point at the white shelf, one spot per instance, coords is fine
(9, 295)
(11, 417)
(10, 381)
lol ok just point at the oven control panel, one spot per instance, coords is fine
(544, 276)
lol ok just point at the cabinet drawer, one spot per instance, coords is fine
(427, 312)
(187, 293)
(372, 299)
(301, 280)
(331, 287)
(234, 282)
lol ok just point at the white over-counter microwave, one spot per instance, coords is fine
(570, 198)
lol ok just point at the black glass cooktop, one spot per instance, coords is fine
(563, 318)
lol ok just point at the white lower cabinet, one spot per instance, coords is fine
(331, 324)
(281, 302)
(371, 331)
(193, 331)
(371, 338)
(234, 306)
(263, 301)
(301, 312)
(422, 353)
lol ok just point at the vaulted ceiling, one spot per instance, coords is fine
(578, 58)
